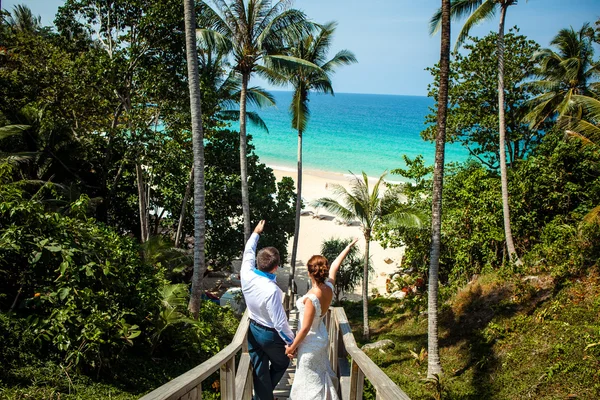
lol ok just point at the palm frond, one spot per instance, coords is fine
(11, 130)
(256, 120)
(211, 39)
(405, 217)
(584, 139)
(484, 11)
(334, 207)
(289, 65)
(17, 158)
(342, 57)
(272, 76)
(435, 23)
(290, 23)
(252, 116)
(590, 105)
(259, 97)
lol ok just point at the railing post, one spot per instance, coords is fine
(357, 381)
(335, 350)
(227, 379)
(360, 383)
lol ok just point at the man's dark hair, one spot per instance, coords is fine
(267, 259)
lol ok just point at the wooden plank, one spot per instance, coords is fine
(353, 381)
(227, 380)
(243, 377)
(382, 383)
(185, 382)
(360, 385)
(344, 374)
(194, 394)
(334, 350)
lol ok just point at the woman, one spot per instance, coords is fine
(313, 378)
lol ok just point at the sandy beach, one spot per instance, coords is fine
(314, 230)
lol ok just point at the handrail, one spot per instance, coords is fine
(192, 379)
(238, 386)
(362, 365)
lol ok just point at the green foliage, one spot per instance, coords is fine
(418, 194)
(350, 272)
(473, 98)
(82, 286)
(551, 191)
(482, 347)
(271, 200)
(472, 222)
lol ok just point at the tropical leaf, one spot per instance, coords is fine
(485, 11)
(593, 217)
(11, 130)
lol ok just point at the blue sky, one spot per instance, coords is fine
(390, 37)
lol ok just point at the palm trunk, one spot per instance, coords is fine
(365, 288)
(298, 211)
(186, 198)
(142, 204)
(433, 353)
(243, 159)
(198, 146)
(502, 133)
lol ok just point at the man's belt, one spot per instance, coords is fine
(253, 322)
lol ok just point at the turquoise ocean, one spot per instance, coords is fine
(349, 133)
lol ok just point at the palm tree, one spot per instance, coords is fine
(564, 73)
(198, 149)
(586, 127)
(314, 49)
(433, 353)
(23, 20)
(368, 207)
(477, 11)
(220, 92)
(255, 31)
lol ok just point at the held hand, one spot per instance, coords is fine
(260, 226)
(353, 242)
(289, 352)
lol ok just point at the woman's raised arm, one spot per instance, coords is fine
(335, 265)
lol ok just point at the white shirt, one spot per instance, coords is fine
(263, 296)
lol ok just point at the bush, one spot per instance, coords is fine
(81, 286)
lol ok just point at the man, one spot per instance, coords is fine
(269, 329)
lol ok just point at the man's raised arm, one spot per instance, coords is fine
(249, 257)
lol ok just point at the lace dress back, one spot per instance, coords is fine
(314, 377)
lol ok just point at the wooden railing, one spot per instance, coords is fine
(188, 386)
(352, 374)
(238, 386)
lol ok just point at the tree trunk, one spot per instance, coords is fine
(198, 146)
(365, 288)
(244, 160)
(142, 204)
(186, 198)
(298, 211)
(433, 353)
(502, 133)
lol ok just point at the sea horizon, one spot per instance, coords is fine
(349, 133)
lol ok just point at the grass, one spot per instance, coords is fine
(499, 339)
(49, 380)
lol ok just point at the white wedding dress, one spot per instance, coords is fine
(313, 378)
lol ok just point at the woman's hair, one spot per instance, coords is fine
(318, 268)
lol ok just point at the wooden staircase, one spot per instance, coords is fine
(350, 364)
